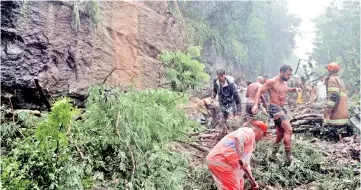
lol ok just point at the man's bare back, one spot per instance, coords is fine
(252, 90)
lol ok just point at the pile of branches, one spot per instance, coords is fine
(307, 123)
(120, 141)
(309, 167)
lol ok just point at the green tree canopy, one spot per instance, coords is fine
(338, 39)
(242, 36)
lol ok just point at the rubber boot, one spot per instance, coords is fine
(289, 156)
(275, 149)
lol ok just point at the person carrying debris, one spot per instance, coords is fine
(251, 93)
(336, 111)
(228, 97)
(223, 159)
(278, 89)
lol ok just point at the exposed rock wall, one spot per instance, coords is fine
(44, 44)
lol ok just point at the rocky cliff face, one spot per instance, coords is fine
(40, 41)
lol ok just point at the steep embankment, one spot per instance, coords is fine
(40, 40)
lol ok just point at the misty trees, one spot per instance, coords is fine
(251, 37)
(338, 39)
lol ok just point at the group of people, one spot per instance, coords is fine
(223, 159)
(310, 92)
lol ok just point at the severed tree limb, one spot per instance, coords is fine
(200, 141)
(199, 147)
(80, 152)
(196, 146)
(68, 130)
(111, 73)
(175, 99)
(118, 69)
(303, 122)
(204, 131)
(206, 135)
(308, 115)
(133, 161)
(42, 95)
(34, 112)
(77, 148)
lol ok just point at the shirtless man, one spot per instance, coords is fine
(278, 89)
(251, 94)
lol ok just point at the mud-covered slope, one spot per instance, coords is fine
(39, 40)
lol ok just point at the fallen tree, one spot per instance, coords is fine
(121, 138)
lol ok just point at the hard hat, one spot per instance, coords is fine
(333, 67)
(261, 125)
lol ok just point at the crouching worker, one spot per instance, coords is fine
(223, 159)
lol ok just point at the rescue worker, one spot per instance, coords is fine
(278, 89)
(251, 93)
(222, 160)
(336, 110)
(228, 97)
(292, 97)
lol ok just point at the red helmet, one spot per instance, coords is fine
(333, 67)
(261, 125)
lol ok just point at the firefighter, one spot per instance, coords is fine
(336, 110)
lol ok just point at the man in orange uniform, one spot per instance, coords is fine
(223, 159)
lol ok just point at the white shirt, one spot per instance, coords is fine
(321, 90)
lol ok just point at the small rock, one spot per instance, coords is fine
(13, 49)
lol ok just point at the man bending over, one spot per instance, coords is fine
(251, 94)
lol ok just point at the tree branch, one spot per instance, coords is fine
(42, 95)
(175, 99)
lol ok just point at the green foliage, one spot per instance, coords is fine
(243, 36)
(199, 178)
(127, 136)
(339, 41)
(123, 136)
(40, 158)
(52, 131)
(344, 179)
(183, 70)
(125, 133)
(308, 166)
